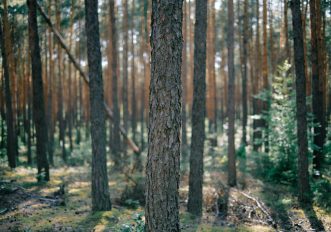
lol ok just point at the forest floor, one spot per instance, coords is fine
(254, 206)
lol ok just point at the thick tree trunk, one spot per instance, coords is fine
(232, 176)
(38, 94)
(301, 106)
(11, 148)
(100, 188)
(162, 171)
(194, 204)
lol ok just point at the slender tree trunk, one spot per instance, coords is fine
(11, 154)
(194, 204)
(162, 172)
(100, 188)
(301, 106)
(125, 83)
(265, 76)
(116, 142)
(232, 176)
(38, 94)
(184, 83)
(133, 77)
(317, 84)
(245, 73)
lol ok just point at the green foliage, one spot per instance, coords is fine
(280, 164)
(138, 224)
(321, 189)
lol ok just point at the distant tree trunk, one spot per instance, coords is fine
(50, 120)
(8, 99)
(116, 142)
(245, 73)
(133, 77)
(59, 85)
(210, 71)
(38, 94)
(100, 188)
(301, 106)
(162, 171)
(317, 83)
(11, 72)
(232, 176)
(125, 83)
(257, 133)
(184, 84)
(287, 41)
(194, 204)
(265, 76)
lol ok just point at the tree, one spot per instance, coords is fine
(133, 77)
(38, 94)
(318, 84)
(301, 106)
(232, 176)
(125, 83)
(245, 72)
(162, 171)
(9, 110)
(100, 188)
(115, 135)
(194, 204)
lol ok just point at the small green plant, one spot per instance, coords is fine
(138, 224)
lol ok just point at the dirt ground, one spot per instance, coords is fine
(28, 206)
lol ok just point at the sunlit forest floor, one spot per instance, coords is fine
(252, 206)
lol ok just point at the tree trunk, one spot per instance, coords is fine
(125, 83)
(184, 148)
(301, 106)
(245, 73)
(11, 154)
(116, 142)
(133, 77)
(162, 171)
(100, 188)
(317, 84)
(232, 176)
(194, 204)
(38, 94)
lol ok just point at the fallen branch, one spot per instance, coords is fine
(270, 219)
(109, 112)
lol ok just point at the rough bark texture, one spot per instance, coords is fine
(301, 106)
(162, 171)
(194, 204)
(38, 94)
(9, 110)
(100, 189)
(231, 101)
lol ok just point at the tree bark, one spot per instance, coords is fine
(194, 204)
(162, 172)
(100, 188)
(11, 154)
(317, 84)
(38, 94)
(232, 175)
(301, 106)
